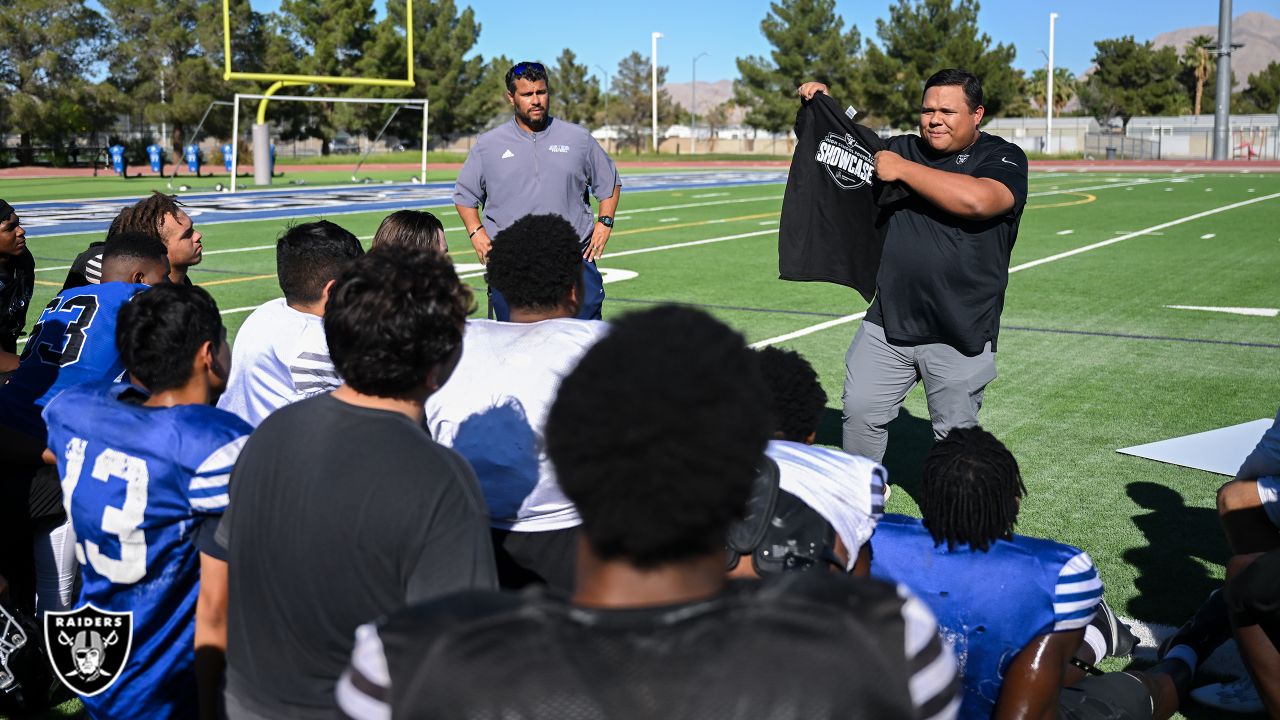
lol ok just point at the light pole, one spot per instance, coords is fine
(1048, 123)
(653, 56)
(693, 113)
(1048, 116)
(606, 99)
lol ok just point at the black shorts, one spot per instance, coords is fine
(1253, 596)
(536, 558)
(1113, 696)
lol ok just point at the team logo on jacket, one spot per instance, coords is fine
(847, 162)
(88, 647)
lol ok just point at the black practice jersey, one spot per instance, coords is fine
(799, 646)
(942, 278)
(17, 280)
(832, 228)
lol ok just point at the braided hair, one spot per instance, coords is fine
(971, 490)
(147, 215)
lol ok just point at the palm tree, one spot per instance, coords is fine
(1198, 62)
(1064, 88)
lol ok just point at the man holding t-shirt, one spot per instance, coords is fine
(940, 288)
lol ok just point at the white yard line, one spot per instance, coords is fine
(1254, 312)
(1028, 265)
(1143, 181)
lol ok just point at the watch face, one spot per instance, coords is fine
(606, 221)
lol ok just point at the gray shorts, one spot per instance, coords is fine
(1113, 696)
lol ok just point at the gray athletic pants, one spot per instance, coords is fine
(878, 375)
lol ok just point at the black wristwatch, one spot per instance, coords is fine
(605, 220)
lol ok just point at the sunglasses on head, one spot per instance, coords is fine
(525, 67)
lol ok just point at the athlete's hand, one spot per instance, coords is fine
(481, 242)
(809, 89)
(595, 248)
(889, 165)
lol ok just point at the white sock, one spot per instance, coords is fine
(1185, 654)
(1094, 639)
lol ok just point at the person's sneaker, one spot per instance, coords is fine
(1239, 696)
(1205, 631)
(1120, 639)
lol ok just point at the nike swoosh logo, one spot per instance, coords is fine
(1007, 160)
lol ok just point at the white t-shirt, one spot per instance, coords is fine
(494, 408)
(280, 356)
(846, 490)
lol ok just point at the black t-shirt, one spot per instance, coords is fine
(339, 515)
(832, 228)
(86, 269)
(17, 281)
(942, 278)
(800, 645)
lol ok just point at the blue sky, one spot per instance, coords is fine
(604, 33)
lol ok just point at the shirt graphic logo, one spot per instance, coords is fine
(88, 647)
(1003, 159)
(558, 148)
(847, 162)
(508, 154)
(961, 158)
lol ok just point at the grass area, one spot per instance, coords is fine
(1090, 357)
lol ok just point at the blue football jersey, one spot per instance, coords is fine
(73, 342)
(137, 483)
(990, 604)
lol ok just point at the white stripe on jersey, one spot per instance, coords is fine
(369, 660)
(1076, 595)
(223, 458)
(213, 502)
(207, 482)
(920, 634)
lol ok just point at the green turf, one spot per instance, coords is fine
(1090, 360)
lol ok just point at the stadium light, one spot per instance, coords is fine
(653, 56)
(693, 111)
(1048, 96)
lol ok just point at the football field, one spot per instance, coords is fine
(1093, 354)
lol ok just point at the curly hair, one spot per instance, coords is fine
(535, 262)
(147, 215)
(309, 255)
(414, 228)
(797, 397)
(160, 330)
(657, 433)
(393, 315)
(971, 490)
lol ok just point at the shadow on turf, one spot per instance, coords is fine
(910, 439)
(1172, 580)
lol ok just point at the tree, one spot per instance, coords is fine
(1133, 78)
(574, 96)
(717, 117)
(632, 108)
(1198, 65)
(924, 36)
(462, 88)
(49, 46)
(1064, 88)
(1263, 93)
(809, 43)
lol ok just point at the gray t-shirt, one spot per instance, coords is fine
(513, 173)
(339, 515)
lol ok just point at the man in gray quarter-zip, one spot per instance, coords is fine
(534, 165)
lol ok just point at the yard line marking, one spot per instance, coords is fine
(692, 243)
(707, 195)
(667, 220)
(1065, 232)
(1208, 236)
(229, 281)
(1255, 312)
(1027, 265)
(1140, 181)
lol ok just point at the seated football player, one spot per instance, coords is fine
(828, 501)
(343, 509)
(656, 436)
(495, 405)
(17, 280)
(411, 228)
(158, 215)
(280, 354)
(145, 470)
(1024, 615)
(72, 342)
(1248, 606)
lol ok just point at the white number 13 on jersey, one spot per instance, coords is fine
(124, 522)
